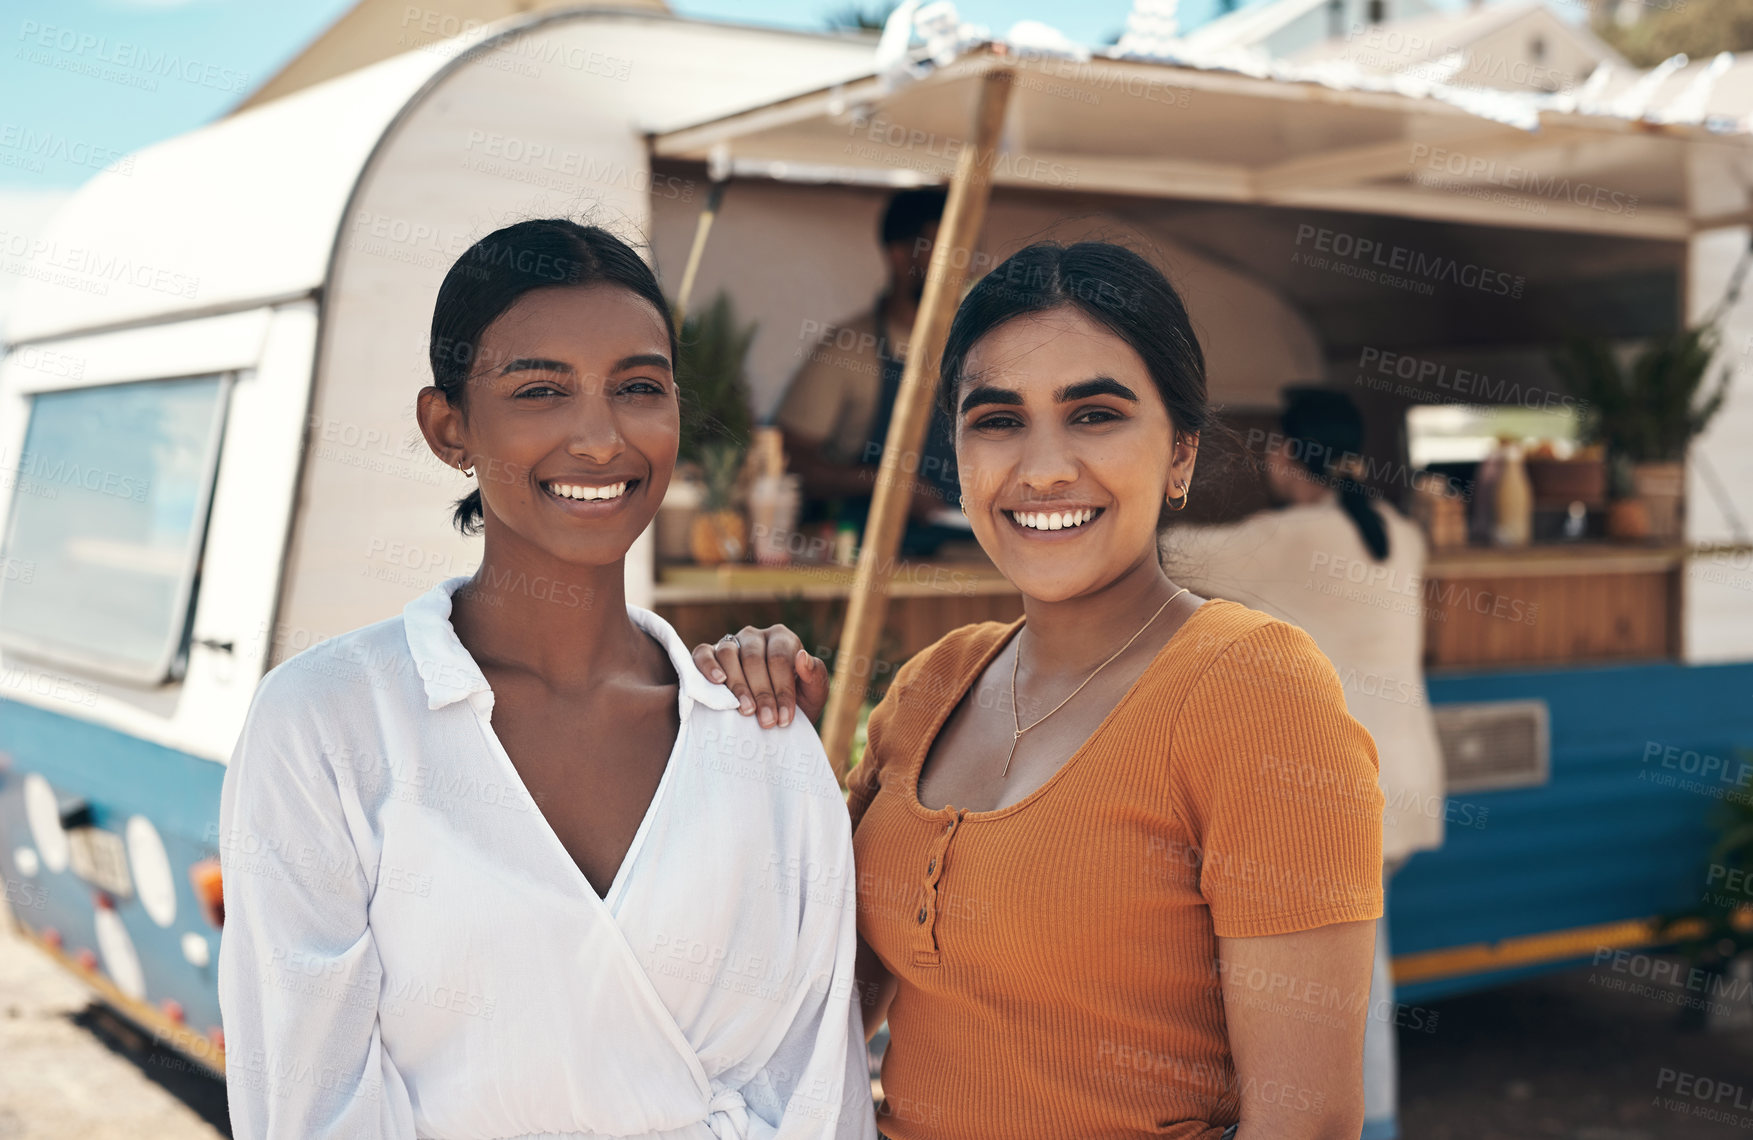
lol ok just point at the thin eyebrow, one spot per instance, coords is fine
(987, 394)
(1099, 386)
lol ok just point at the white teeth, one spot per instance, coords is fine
(588, 494)
(1055, 520)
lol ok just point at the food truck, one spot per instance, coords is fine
(1427, 250)
(209, 452)
(212, 464)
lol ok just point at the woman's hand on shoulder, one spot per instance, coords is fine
(770, 672)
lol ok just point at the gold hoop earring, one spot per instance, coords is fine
(962, 503)
(1185, 495)
(468, 472)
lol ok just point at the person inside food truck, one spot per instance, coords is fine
(1336, 559)
(835, 412)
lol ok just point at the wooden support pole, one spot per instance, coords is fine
(703, 227)
(964, 213)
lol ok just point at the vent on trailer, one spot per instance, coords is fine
(1495, 744)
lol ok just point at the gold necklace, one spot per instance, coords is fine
(1016, 713)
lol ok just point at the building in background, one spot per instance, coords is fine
(1522, 45)
(1517, 46)
(1282, 28)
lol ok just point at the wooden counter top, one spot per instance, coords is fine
(747, 581)
(1555, 604)
(1553, 559)
(742, 581)
(926, 600)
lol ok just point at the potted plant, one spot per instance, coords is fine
(711, 371)
(1646, 415)
(711, 354)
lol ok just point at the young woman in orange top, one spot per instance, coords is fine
(1119, 861)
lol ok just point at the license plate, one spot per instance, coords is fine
(101, 859)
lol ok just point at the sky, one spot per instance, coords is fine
(71, 69)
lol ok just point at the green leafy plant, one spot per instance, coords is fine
(711, 370)
(1718, 927)
(721, 462)
(1649, 412)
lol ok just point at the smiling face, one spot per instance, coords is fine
(570, 420)
(1066, 453)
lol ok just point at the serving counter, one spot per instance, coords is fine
(1558, 604)
(1552, 604)
(926, 600)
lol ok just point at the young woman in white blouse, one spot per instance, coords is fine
(515, 867)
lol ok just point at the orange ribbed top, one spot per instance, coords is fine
(1056, 958)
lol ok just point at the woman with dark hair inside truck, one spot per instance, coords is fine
(1106, 887)
(512, 875)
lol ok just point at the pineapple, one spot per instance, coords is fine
(720, 533)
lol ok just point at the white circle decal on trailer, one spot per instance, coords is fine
(120, 961)
(153, 881)
(43, 813)
(196, 951)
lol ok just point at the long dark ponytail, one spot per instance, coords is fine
(1324, 432)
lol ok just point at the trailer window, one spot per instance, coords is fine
(109, 511)
(1467, 433)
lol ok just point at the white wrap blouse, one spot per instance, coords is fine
(410, 951)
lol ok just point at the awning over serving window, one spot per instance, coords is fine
(1178, 131)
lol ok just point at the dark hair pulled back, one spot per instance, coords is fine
(490, 277)
(909, 212)
(1324, 432)
(1111, 285)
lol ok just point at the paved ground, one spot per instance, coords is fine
(1599, 1053)
(69, 1071)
